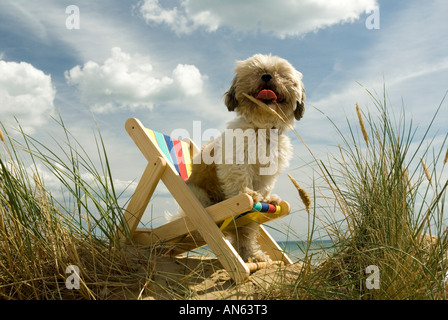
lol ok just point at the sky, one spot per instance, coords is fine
(168, 63)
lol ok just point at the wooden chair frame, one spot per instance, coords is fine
(197, 218)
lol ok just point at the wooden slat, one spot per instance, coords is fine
(143, 193)
(254, 266)
(260, 217)
(271, 247)
(218, 212)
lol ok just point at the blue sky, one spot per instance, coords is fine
(169, 63)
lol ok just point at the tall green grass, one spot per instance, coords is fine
(392, 215)
(41, 234)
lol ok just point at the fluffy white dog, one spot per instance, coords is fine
(254, 150)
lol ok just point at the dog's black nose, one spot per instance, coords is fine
(266, 77)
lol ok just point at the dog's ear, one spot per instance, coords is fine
(300, 109)
(230, 99)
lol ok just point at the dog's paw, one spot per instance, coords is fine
(259, 256)
(272, 199)
(257, 197)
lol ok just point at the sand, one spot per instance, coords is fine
(202, 278)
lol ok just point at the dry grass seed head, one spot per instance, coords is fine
(427, 173)
(304, 196)
(406, 178)
(361, 123)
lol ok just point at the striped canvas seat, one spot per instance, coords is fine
(177, 152)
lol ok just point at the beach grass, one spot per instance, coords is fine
(391, 240)
(380, 200)
(41, 236)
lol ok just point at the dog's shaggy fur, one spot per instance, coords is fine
(214, 181)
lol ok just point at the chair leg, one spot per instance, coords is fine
(227, 255)
(271, 247)
(143, 193)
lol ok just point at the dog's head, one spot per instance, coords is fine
(272, 80)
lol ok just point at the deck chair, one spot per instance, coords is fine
(169, 160)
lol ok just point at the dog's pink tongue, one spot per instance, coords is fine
(267, 95)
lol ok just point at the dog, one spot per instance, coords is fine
(278, 85)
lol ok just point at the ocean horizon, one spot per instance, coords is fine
(296, 250)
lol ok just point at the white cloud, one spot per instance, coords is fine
(26, 93)
(125, 81)
(282, 17)
(189, 78)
